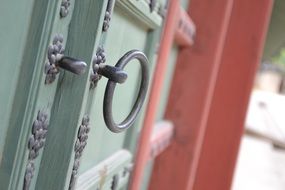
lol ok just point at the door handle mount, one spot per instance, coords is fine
(57, 59)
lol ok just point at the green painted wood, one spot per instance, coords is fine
(35, 23)
(68, 108)
(102, 142)
(68, 99)
(101, 175)
(140, 11)
(12, 51)
(44, 97)
(275, 39)
(151, 48)
(185, 3)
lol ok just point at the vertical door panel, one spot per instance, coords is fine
(131, 27)
(71, 93)
(123, 35)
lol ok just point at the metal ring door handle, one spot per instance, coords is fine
(117, 75)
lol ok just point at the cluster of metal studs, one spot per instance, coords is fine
(80, 144)
(36, 142)
(64, 8)
(97, 60)
(107, 20)
(55, 53)
(107, 17)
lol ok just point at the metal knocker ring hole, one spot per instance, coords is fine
(109, 92)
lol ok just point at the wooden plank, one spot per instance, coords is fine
(100, 176)
(29, 55)
(166, 43)
(141, 11)
(241, 57)
(68, 107)
(161, 138)
(186, 30)
(190, 96)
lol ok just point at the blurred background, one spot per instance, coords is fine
(261, 161)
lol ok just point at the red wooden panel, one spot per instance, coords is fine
(242, 54)
(160, 138)
(142, 155)
(190, 95)
(185, 31)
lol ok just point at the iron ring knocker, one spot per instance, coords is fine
(117, 75)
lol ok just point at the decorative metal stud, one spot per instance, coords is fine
(55, 53)
(64, 8)
(115, 182)
(36, 142)
(107, 17)
(79, 146)
(99, 58)
(152, 4)
(56, 60)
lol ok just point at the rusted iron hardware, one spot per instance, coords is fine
(36, 142)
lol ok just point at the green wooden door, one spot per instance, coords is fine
(54, 134)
